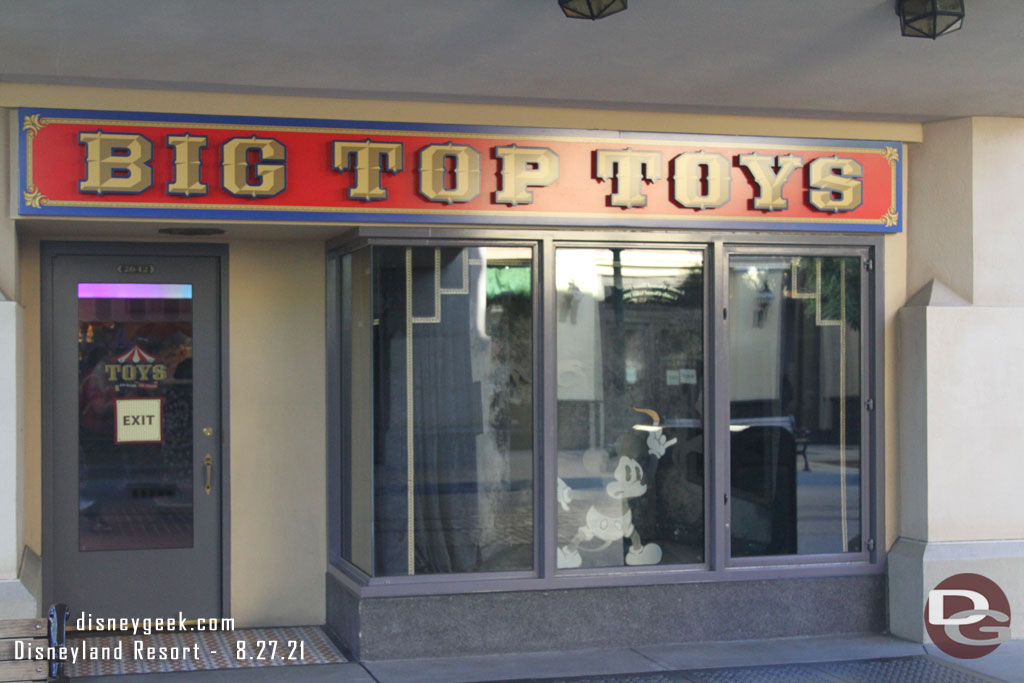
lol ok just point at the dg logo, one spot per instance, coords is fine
(967, 616)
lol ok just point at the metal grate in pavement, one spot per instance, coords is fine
(903, 669)
(205, 650)
(917, 669)
(790, 673)
(655, 677)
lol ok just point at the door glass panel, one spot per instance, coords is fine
(135, 416)
(795, 349)
(453, 408)
(630, 338)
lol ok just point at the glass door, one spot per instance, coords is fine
(135, 389)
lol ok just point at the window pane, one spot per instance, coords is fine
(135, 416)
(794, 331)
(630, 407)
(453, 407)
(357, 418)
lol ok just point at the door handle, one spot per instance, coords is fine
(208, 463)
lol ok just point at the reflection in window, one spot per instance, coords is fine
(134, 416)
(452, 397)
(630, 340)
(795, 405)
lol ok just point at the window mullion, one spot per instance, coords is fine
(718, 404)
(869, 389)
(546, 539)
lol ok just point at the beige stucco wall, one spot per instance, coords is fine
(975, 356)
(278, 418)
(966, 179)
(895, 283)
(940, 200)
(72, 97)
(278, 535)
(961, 344)
(965, 347)
(998, 238)
(28, 297)
(8, 250)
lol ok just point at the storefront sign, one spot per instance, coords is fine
(123, 164)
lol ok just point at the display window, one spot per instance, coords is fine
(543, 409)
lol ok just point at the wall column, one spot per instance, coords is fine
(15, 599)
(961, 369)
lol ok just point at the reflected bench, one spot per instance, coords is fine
(18, 635)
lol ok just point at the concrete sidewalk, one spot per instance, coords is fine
(851, 658)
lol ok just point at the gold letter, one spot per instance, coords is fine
(769, 182)
(160, 372)
(433, 172)
(686, 180)
(372, 159)
(831, 176)
(111, 372)
(628, 169)
(523, 167)
(116, 163)
(236, 167)
(187, 165)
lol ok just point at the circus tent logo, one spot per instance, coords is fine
(135, 355)
(135, 369)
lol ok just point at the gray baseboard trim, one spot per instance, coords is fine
(19, 598)
(628, 616)
(916, 567)
(30, 572)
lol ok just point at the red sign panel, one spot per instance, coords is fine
(163, 165)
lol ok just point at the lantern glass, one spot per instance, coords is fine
(930, 18)
(591, 9)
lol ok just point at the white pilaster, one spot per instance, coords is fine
(961, 369)
(15, 600)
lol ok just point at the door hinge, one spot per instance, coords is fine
(869, 264)
(870, 404)
(871, 545)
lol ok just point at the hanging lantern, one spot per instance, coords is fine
(591, 9)
(930, 18)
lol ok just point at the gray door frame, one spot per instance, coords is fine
(134, 251)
